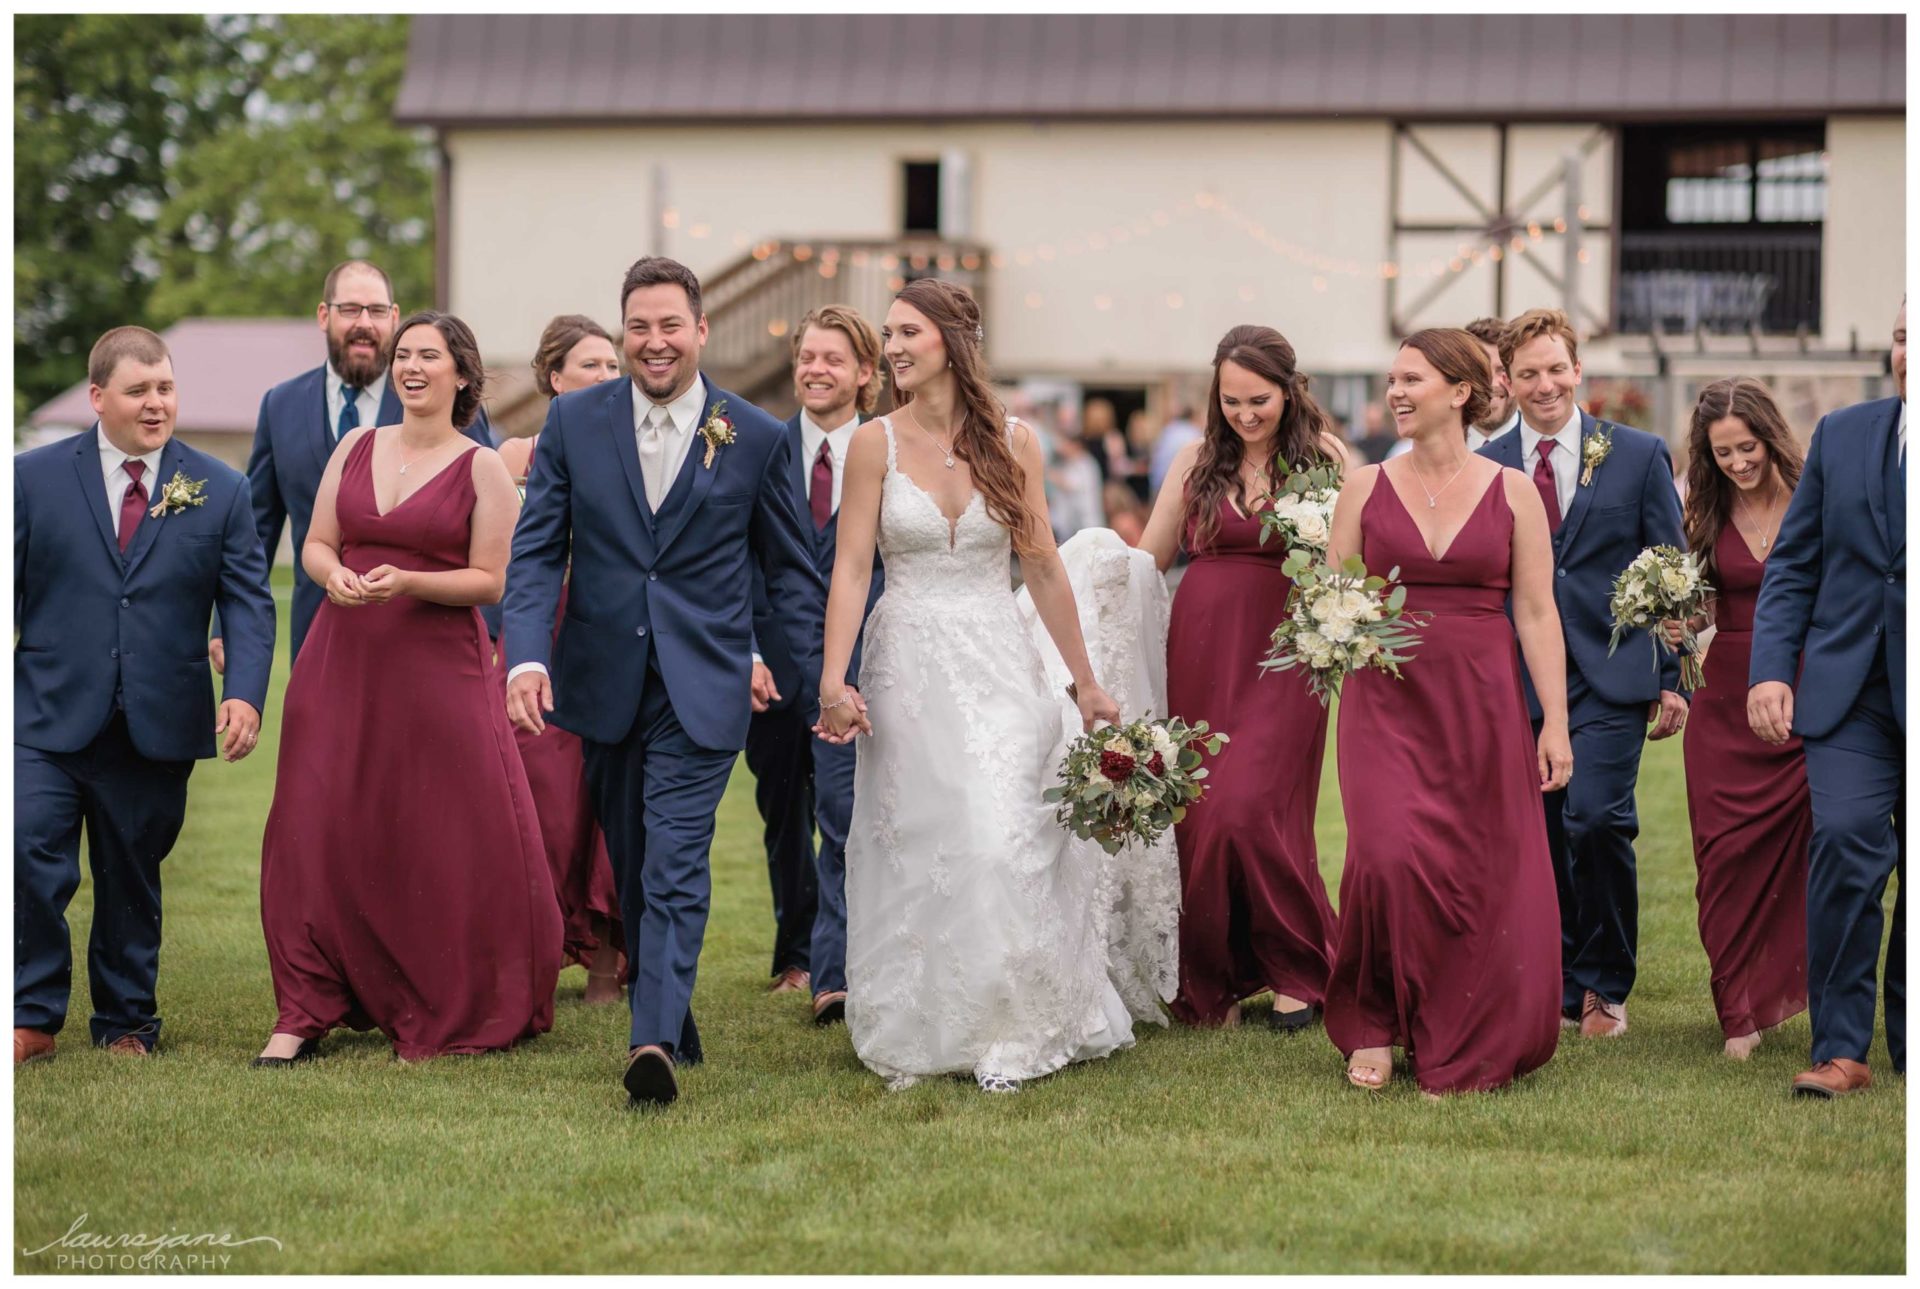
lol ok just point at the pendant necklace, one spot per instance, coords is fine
(1433, 497)
(1766, 538)
(945, 448)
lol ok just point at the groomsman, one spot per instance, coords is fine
(662, 491)
(302, 418)
(1609, 494)
(124, 540)
(1829, 664)
(1503, 413)
(798, 779)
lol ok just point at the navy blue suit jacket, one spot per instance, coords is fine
(291, 444)
(1835, 589)
(1630, 505)
(768, 638)
(677, 585)
(94, 623)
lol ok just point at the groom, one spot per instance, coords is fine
(1609, 494)
(663, 491)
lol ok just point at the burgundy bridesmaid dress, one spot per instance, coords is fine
(1449, 923)
(402, 881)
(575, 847)
(1254, 914)
(1752, 822)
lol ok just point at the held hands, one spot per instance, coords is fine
(1554, 755)
(528, 696)
(1668, 716)
(383, 583)
(1770, 711)
(842, 717)
(765, 692)
(217, 652)
(241, 724)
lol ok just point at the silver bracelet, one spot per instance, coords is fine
(826, 707)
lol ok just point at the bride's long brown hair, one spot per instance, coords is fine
(981, 439)
(1296, 441)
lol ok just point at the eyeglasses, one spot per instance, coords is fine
(352, 312)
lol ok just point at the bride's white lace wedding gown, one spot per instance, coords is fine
(977, 927)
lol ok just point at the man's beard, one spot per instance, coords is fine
(1497, 416)
(357, 372)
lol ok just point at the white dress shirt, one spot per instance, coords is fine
(837, 441)
(1903, 434)
(113, 466)
(366, 403)
(1476, 440)
(658, 469)
(1565, 457)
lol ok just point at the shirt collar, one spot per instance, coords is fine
(112, 458)
(335, 384)
(811, 434)
(1530, 437)
(683, 411)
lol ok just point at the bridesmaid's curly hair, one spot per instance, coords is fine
(462, 348)
(1297, 443)
(981, 440)
(1709, 492)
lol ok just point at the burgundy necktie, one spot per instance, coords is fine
(820, 487)
(132, 506)
(1543, 480)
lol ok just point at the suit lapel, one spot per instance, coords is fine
(390, 411)
(149, 530)
(318, 434)
(801, 468)
(93, 487)
(1582, 494)
(1505, 453)
(618, 410)
(695, 480)
(1881, 462)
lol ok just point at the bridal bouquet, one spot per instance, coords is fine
(1301, 515)
(1341, 620)
(1662, 582)
(1132, 782)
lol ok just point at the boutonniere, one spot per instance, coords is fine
(718, 432)
(177, 494)
(1593, 452)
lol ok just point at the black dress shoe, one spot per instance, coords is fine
(1291, 1022)
(649, 1078)
(308, 1049)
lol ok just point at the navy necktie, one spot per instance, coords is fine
(349, 412)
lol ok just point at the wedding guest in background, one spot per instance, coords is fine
(1126, 514)
(1376, 440)
(1254, 913)
(1503, 413)
(1608, 491)
(1747, 799)
(1074, 498)
(1829, 663)
(801, 782)
(1448, 941)
(403, 884)
(1142, 434)
(574, 353)
(124, 540)
(1174, 435)
(1100, 430)
(303, 418)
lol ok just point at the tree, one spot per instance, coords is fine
(168, 166)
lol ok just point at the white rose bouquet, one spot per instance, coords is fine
(1132, 782)
(1662, 582)
(1341, 620)
(1301, 515)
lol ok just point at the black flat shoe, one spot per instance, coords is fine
(308, 1050)
(1292, 1022)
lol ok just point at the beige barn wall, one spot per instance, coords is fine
(545, 221)
(1863, 263)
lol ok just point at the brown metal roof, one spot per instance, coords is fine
(507, 70)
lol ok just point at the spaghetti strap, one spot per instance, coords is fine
(893, 462)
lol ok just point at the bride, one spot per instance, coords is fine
(976, 931)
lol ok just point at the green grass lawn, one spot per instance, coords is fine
(1195, 1151)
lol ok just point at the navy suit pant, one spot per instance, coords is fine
(655, 794)
(781, 759)
(1859, 839)
(802, 783)
(132, 809)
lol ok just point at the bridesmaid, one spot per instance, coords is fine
(1449, 924)
(575, 352)
(1748, 800)
(1254, 912)
(402, 883)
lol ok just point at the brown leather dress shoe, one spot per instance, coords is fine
(31, 1045)
(791, 981)
(830, 1008)
(1836, 1078)
(649, 1077)
(128, 1045)
(1602, 1019)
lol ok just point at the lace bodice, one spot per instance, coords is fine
(926, 556)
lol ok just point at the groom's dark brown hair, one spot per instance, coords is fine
(658, 270)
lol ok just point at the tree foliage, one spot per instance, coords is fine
(174, 166)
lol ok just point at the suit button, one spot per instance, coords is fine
(125, 603)
(641, 632)
(1560, 572)
(114, 653)
(655, 577)
(1891, 579)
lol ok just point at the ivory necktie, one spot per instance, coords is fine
(653, 457)
(1549, 492)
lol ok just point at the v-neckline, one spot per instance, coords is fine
(374, 489)
(1455, 539)
(953, 521)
